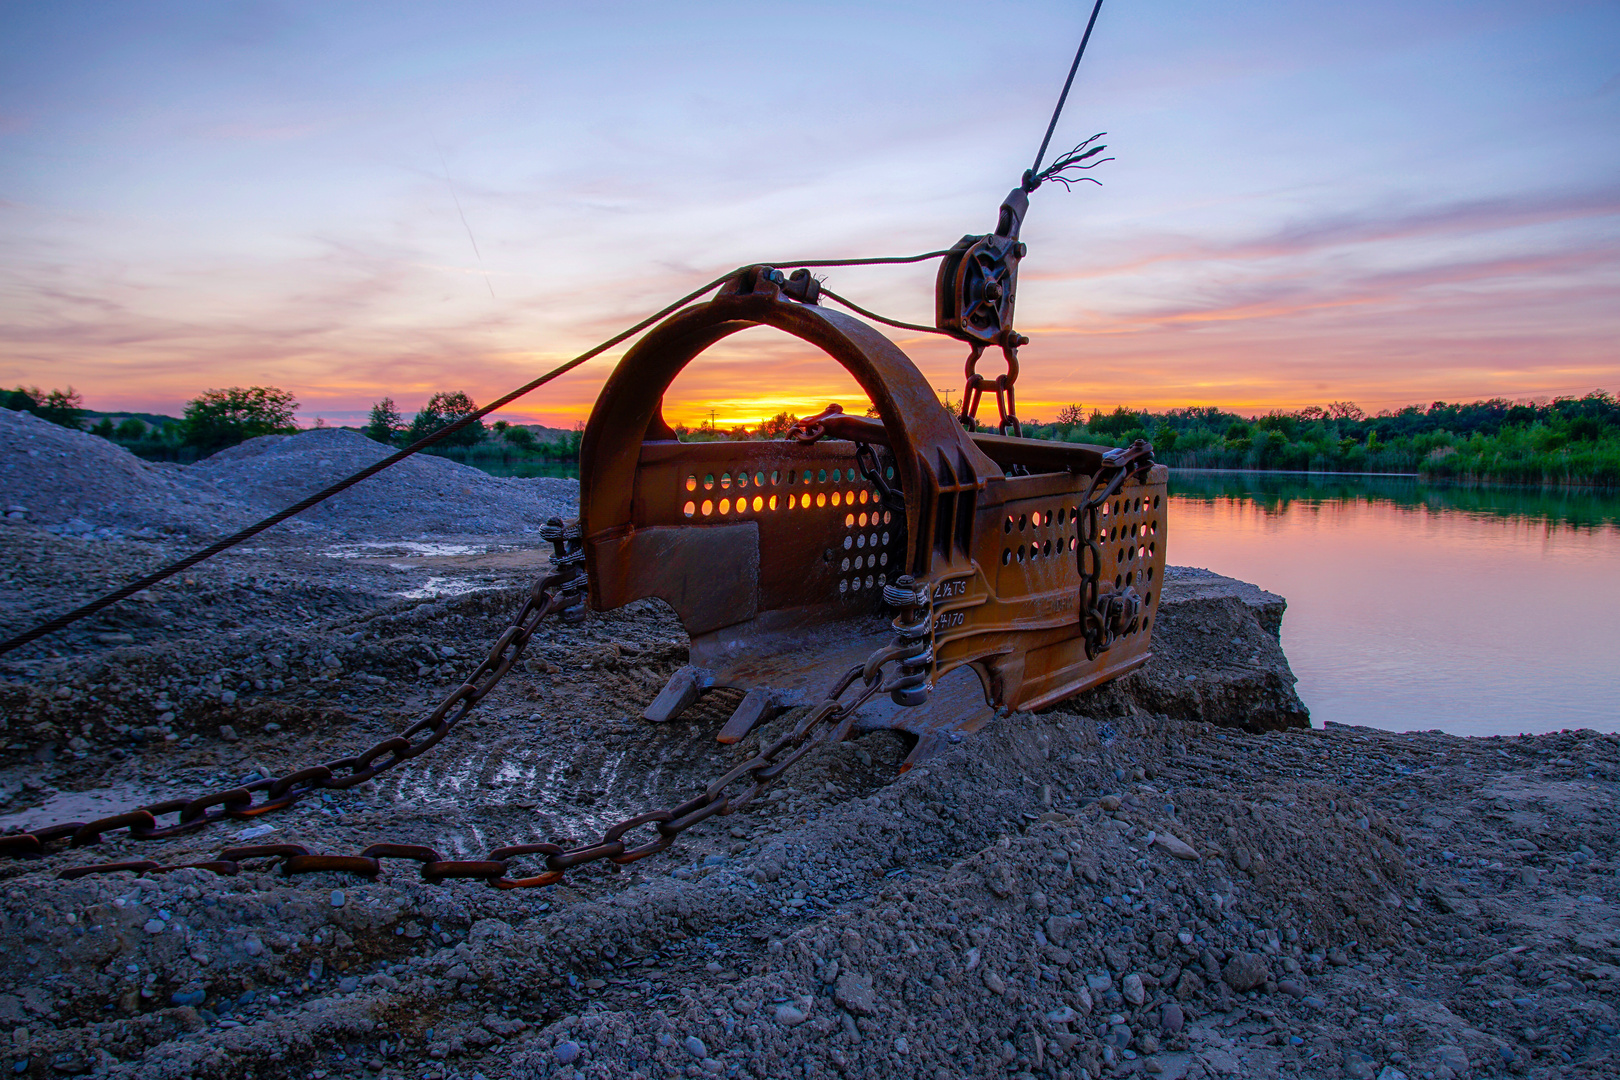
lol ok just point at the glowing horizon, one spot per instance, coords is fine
(1386, 204)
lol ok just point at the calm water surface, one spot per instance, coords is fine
(1412, 606)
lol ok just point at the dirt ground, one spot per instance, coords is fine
(1168, 876)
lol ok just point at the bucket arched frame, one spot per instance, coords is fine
(707, 566)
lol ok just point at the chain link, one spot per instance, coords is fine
(557, 592)
(1006, 400)
(828, 721)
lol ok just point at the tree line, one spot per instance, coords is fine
(211, 421)
(474, 444)
(217, 419)
(1568, 440)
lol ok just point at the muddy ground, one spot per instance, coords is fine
(1130, 882)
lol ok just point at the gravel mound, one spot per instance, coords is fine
(421, 496)
(75, 484)
(82, 485)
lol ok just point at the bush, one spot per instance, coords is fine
(221, 418)
(64, 407)
(20, 399)
(130, 430)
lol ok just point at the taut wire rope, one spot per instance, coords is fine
(68, 618)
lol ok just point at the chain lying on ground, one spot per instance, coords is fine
(559, 591)
(828, 721)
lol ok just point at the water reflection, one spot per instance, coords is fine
(1413, 606)
(1276, 491)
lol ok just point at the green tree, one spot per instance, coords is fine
(64, 407)
(130, 430)
(385, 422)
(1117, 423)
(21, 399)
(519, 436)
(220, 418)
(445, 408)
(105, 428)
(777, 426)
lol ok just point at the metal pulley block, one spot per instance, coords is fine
(1034, 565)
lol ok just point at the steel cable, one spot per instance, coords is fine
(67, 619)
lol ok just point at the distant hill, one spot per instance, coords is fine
(546, 434)
(90, 417)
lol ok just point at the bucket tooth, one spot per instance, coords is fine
(683, 688)
(929, 744)
(756, 706)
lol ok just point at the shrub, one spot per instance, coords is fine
(62, 407)
(20, 399)
(220, 418)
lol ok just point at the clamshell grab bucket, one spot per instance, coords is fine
(775, 554)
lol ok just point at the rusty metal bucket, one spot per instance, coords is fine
(776, 555)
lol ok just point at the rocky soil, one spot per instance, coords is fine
(1167, 876)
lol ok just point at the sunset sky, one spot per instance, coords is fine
(1381, 202)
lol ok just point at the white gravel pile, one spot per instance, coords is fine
(79, 484)
(82, 485)
(421, 496)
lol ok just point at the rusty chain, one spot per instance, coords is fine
(558, 591)
(1006, 400)
(828, 721)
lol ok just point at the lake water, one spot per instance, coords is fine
(1478, 611)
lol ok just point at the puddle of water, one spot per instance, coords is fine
(402, 548)
(436, 587)
(77, 806)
